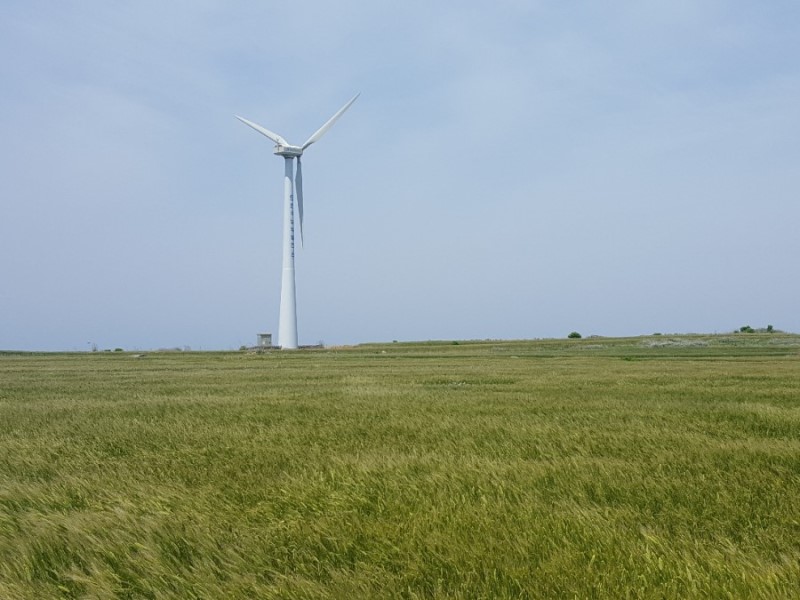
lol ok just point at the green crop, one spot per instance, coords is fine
(654, 467)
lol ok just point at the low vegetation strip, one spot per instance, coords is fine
(589, 468)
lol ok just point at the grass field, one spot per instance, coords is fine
(653, 467)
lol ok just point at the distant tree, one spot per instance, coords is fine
(770, 329)
(574, 335)
(746, 329)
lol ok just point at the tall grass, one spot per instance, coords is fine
(630, 468)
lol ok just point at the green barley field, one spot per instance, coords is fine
(650, 467)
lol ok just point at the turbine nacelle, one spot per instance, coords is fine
(288, 151)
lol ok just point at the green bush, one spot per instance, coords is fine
(574, 335)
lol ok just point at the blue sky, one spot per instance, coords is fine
(512, 169)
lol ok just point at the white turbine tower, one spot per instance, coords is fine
(287, 324)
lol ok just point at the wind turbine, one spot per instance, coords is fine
(287, 323)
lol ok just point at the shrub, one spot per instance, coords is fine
(574, 335)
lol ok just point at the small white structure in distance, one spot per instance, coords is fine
(264, 340)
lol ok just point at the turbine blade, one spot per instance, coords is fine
(329, 123)
(298, 185)
(270, 134)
